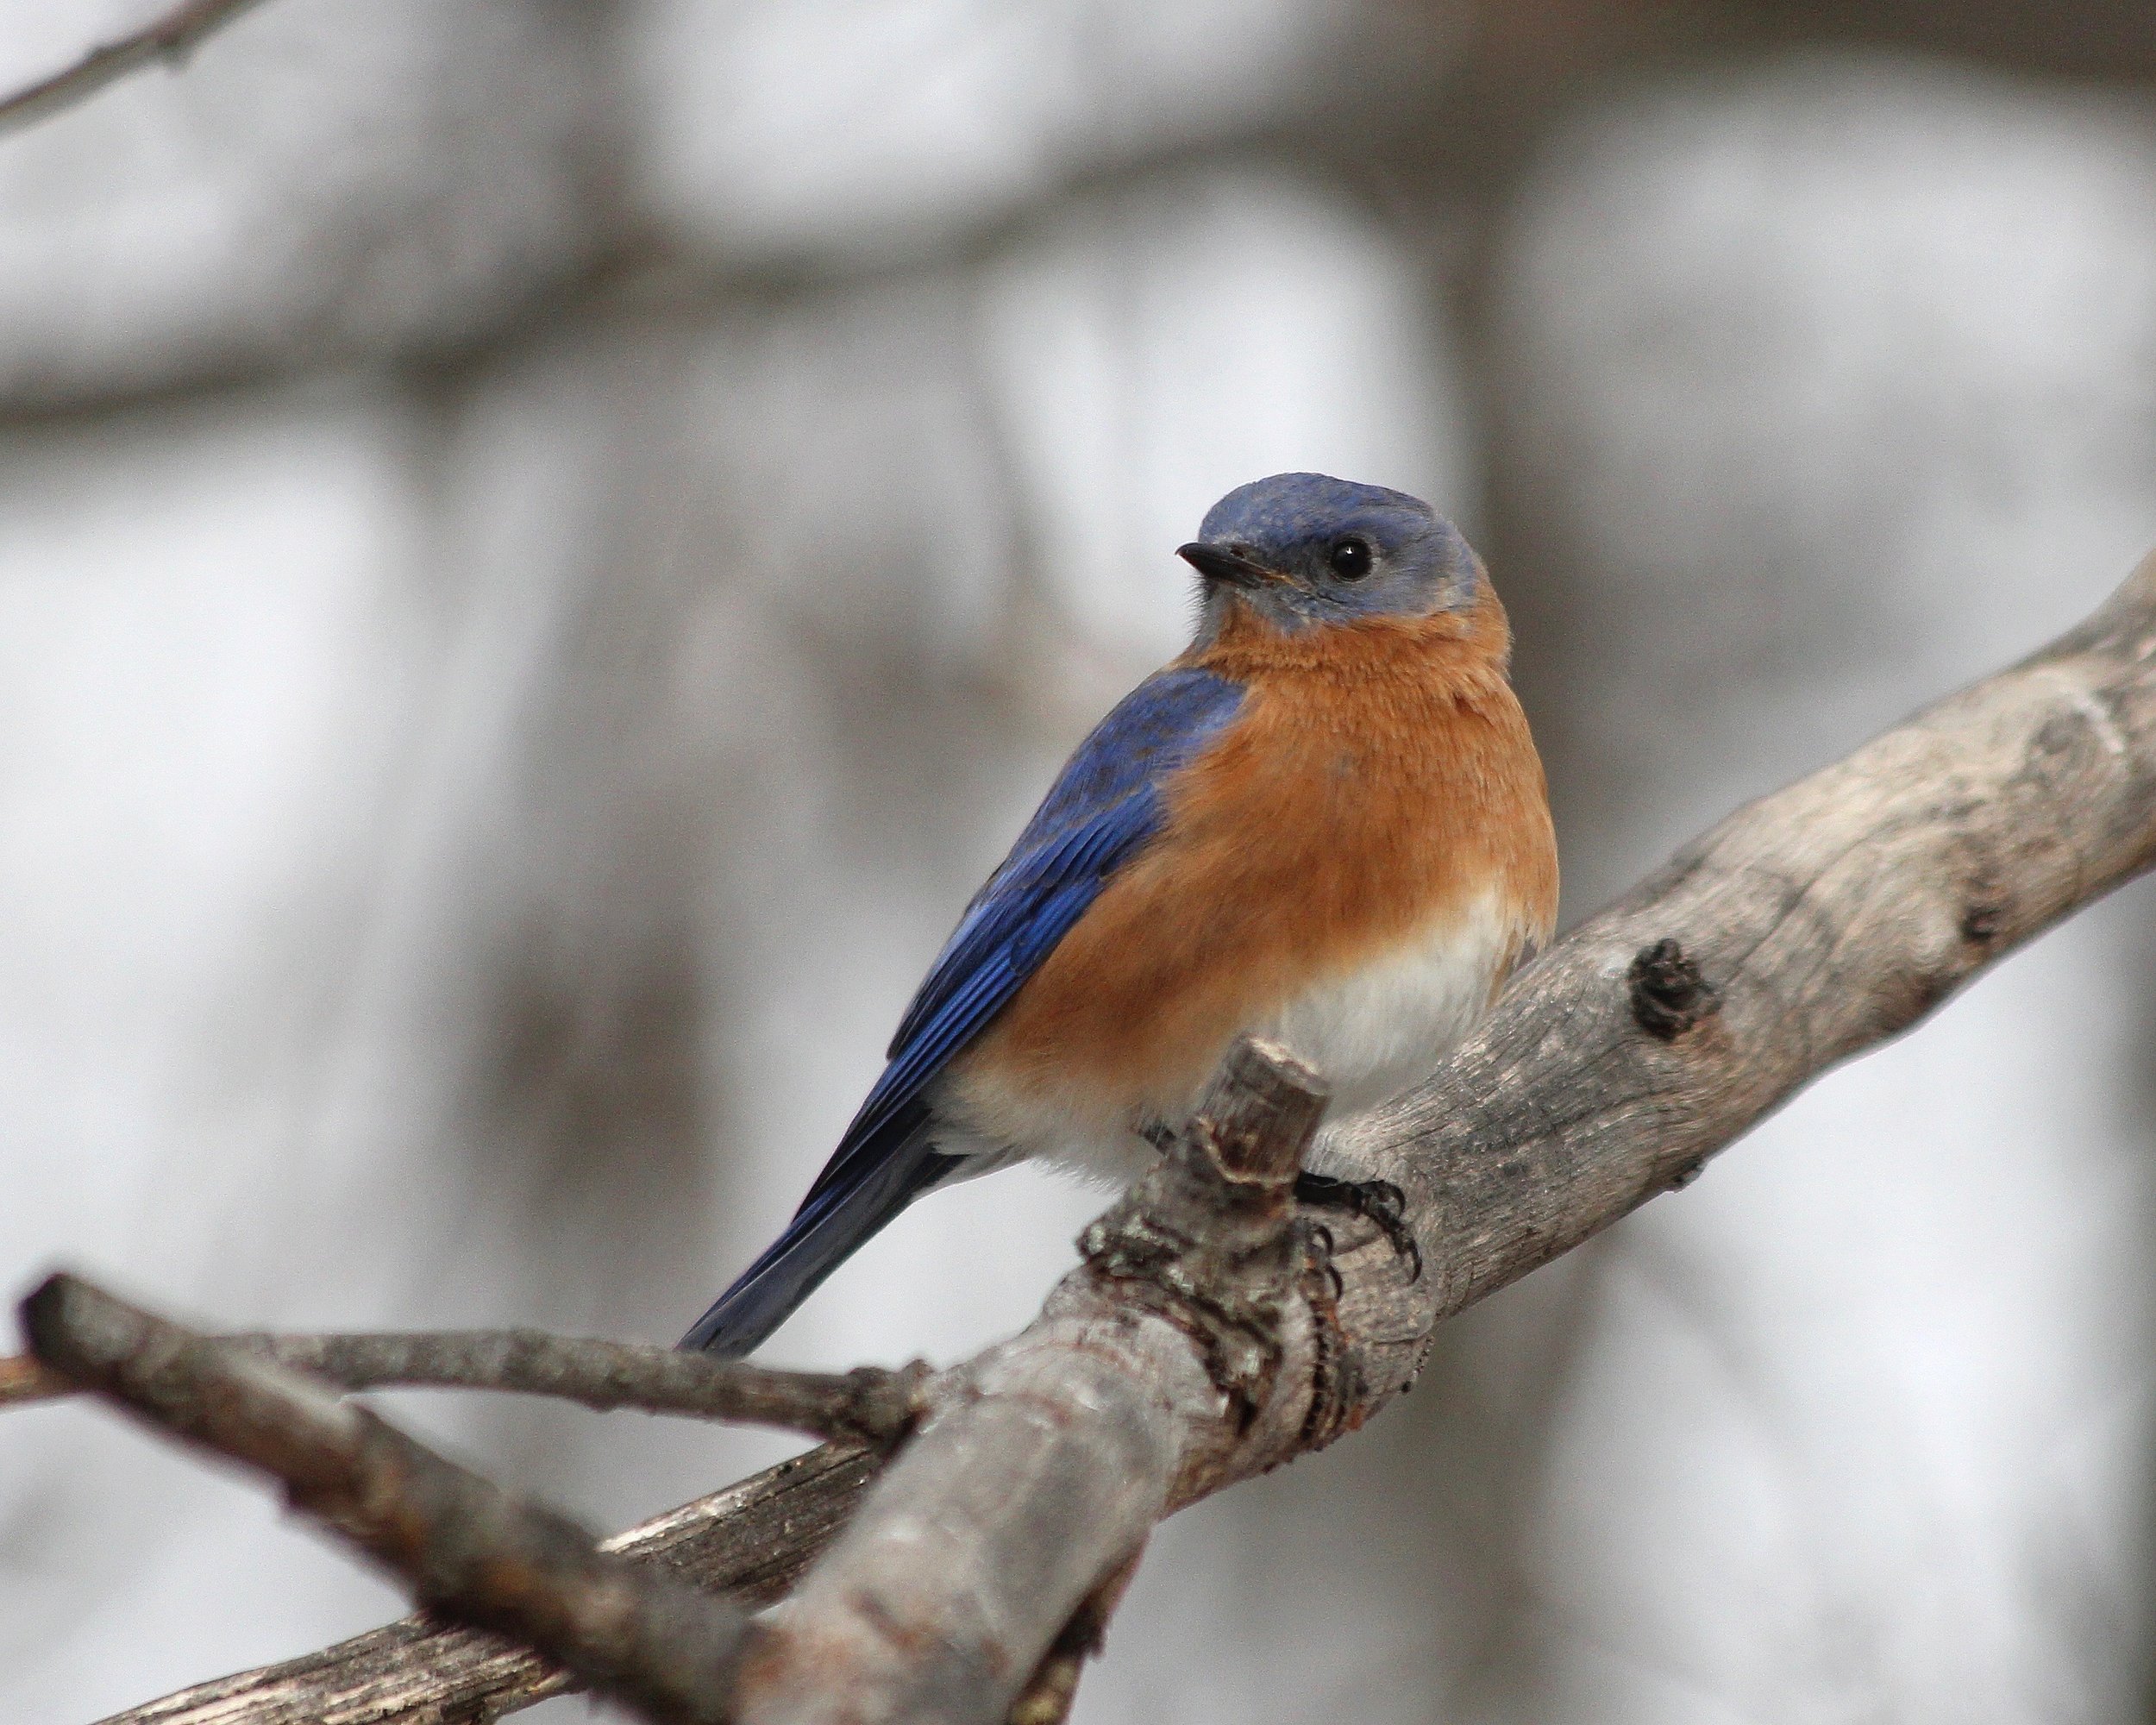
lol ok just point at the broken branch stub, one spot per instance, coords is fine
(1258, 1113)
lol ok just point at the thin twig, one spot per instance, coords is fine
(465, 1547)
(23, 1379)
(168, 41)
(866, 1406)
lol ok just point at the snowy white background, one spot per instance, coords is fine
(544, 548)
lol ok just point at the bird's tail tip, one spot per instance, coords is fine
(767, 1293)
(825, 1233)
(737, 1324)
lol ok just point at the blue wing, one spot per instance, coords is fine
(1102, 809)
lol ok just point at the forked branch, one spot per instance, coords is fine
(1211, 1234)
(465, 1548)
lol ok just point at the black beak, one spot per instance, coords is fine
(1218, 563)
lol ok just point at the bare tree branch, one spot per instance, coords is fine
(166, 40)
(869, 1405)
(465, 1547)
(1221, 1214)
(751, 1541)
(1806, 928)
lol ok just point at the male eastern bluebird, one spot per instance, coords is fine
(1326, 822)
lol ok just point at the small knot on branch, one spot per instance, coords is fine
(1981, 923)
(1668, 993)
(882, 1407)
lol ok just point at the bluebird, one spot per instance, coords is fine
(1326, 822)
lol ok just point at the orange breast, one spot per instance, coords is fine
(1379, 778)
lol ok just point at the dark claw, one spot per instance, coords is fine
(1320, 1236)
(1379, 1202)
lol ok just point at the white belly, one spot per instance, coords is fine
(1374, 1032)
(1370, 1033)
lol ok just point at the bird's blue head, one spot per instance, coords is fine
(1305, 549)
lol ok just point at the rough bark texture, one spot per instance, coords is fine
(1812, 925)
(1809, 926)
(752, 1540)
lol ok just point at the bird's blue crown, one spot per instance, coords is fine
(1307, 548)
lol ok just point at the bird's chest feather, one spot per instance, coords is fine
(1374, 1028)
(1353, 868)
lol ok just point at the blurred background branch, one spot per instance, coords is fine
(168, 41)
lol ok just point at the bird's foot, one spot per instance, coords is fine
(1378, 1202)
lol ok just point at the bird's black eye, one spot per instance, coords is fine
(1351, 559)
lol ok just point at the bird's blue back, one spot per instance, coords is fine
(1105, 804)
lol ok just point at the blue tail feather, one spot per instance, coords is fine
(836, 1221)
